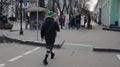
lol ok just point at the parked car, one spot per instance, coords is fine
(4, 24)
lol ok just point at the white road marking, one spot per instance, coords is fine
(36, 48)
(118, 56)
(16, 58)
(1, 65)
(29, 52)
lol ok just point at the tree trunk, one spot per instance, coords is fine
(41, 3)
(89, 21)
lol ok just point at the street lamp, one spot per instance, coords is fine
(21, 30)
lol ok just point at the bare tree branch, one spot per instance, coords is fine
(4, 4)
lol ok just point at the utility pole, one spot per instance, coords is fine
(21, 30)
(37, 18)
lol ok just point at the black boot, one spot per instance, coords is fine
(52, 55)
(45, 60)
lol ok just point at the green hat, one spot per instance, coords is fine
(50, 13)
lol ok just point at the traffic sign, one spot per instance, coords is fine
(25, 4)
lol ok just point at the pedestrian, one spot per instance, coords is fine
(27, 22)
(56, 18)
(77, 20)
(72, 22)
(61, 19)
(67, 21)
(85, 21)
(48, 32)
(82, 21)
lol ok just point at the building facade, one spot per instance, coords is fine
(110, 12)
(115, 12)
(105, 15)
(97, 11)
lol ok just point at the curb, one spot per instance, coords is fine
(116, 27)
(100, 49)
(111, 29)
(1, 39)
(35, 43)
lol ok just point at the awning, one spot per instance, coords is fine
(33, 9)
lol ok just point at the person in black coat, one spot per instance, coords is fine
(77, 19)
(48, 32)
(61, 19)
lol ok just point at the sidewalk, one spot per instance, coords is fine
(100, 40)
(31, 37)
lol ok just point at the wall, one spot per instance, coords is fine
(114, 11)
(106, 13)
(119, 13)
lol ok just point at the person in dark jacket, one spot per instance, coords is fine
(48, 32)
(77, 19)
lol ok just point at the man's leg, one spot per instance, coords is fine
(52, 54)
(46, 56)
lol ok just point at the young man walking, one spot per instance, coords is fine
(48, 32)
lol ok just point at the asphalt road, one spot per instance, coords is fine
(19, 55)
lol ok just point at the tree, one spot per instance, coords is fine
(4, 4)
(82, 5)
(68, 6)
(41, 3)
(61, 9)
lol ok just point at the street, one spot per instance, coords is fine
(76, 51)
(89, 33)
(20, 55)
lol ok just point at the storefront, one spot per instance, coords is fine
(33, 17)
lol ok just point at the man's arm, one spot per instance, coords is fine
(57, 27)
(42, 32)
